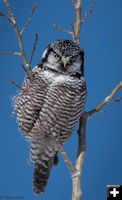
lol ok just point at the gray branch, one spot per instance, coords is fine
(14, 24)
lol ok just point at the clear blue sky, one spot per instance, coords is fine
(101, 39)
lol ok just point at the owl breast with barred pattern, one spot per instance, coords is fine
(49, 107)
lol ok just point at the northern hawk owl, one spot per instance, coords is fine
(49, 107)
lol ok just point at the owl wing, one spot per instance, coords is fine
(62, 108)
(29, 102)
(46, 111)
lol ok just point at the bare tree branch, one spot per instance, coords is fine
(73, 171)
(62, 29)
(34, 48)
(110, 97)
(15, 84)
(23, 67)
(78, 20)
(106, 100)
(76, 27)
(13, 22)
(117, 99)
(87, 15)
(29, 20)
(11, 52)
(11, 15)
(76, 181)
(5, 17)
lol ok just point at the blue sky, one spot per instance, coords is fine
(101, 41)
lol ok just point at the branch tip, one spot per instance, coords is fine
(62, 29)
(87, 15)
(10, 53)
(30, 18)
(15, 84)
(107, 100)
(34, 48)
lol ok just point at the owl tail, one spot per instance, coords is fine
(43, 155)
(40, 178)
(41, 174)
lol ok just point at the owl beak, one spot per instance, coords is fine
(65, 63)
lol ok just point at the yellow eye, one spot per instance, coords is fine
(73, 58)
(58, 57)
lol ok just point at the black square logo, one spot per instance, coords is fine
(114, 192)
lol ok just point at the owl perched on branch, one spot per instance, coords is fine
(49, 107)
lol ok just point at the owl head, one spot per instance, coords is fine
(64, 56)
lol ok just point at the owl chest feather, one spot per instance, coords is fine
(51, 105)
(62, 106)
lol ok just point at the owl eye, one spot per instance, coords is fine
(58, 57)
(73, 58)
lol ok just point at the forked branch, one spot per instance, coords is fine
(13, 22)
(62, 29)
(73, 171)
(29, 20)
(106, 100)
(77, 182)
(79, 20)
(76, 171)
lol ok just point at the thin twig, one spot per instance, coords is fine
(34, 48)
(10, 52)
(15, 84)
(106, 100)
(77, 26)
(19, 37)
(87, 15)
(62, 29)
(116, 99)
(11, 14)
(5, 17)
(29, 20)
(23, 66)
(110, 97)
